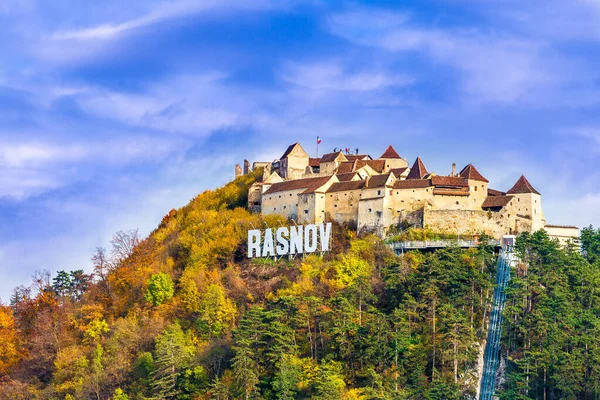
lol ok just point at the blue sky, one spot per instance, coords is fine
(112, 113)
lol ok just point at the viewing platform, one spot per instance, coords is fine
(400, 247)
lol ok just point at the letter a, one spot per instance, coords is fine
(268, 247)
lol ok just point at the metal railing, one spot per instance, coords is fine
(424, 244)
(491, 358)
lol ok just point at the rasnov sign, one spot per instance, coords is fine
(288, 240)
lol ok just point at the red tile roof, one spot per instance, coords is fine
(522, 186)
(398, 171)
(449, 181)
(494, 192)
(377, 165)
(348, 185)
(314, 162)
(346, 177)
(390, 153)
(418, 170)
(330, 157)
(306, 183)
(562, 226)
(377, 181)
(496, 201)
(470, 172)
(352, 157)
(345, 167)
(412, 184)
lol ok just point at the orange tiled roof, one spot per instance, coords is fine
(449, 181)
(412, 184)
(377, 180)
(352, 157)
(494, 192)
(346, 177)
(314, 162)
(470, 172)
(390, 153)
(306, 183)
(330, 157)
(377, 165)
(348, 185)
(398, 171)
(496, 201)
(346, 167)
(522, 186)
(418, 170)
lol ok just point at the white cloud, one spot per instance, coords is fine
(29, 169)
(188, 105)
(331, 76)
(496, 67)
(163, 12)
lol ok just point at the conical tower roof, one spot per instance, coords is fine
(522, 186)
(418, 170)
(390, 153)
(470, 172)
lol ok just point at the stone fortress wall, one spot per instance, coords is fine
(377, 194)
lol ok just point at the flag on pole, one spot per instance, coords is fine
(318, 140)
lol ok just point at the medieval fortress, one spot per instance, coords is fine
(384, 193)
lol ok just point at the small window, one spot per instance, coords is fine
(279, 196)
(290, 195)
(379, 193)
(350, 205)
(378, 213)
(457, 202)
(274, 208)
(345, 194)
(305, 211)
(284, 207)
(335, 205)
(475, 188)
(370, 210)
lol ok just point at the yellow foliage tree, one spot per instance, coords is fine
(9, 353)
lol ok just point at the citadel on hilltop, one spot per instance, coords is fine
(376, 194)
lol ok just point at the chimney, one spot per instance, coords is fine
(246, 167)
(453, 169)
(238, 170)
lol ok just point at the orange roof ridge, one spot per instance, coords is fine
(418, 170)
(390, 153)
(470, 172)
(522, 186)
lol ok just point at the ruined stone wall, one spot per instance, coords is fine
(464, 222)
(471, 222)
(254, 197)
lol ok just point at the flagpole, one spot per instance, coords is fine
(317, 147)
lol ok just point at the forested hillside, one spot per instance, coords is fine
(183, 314)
